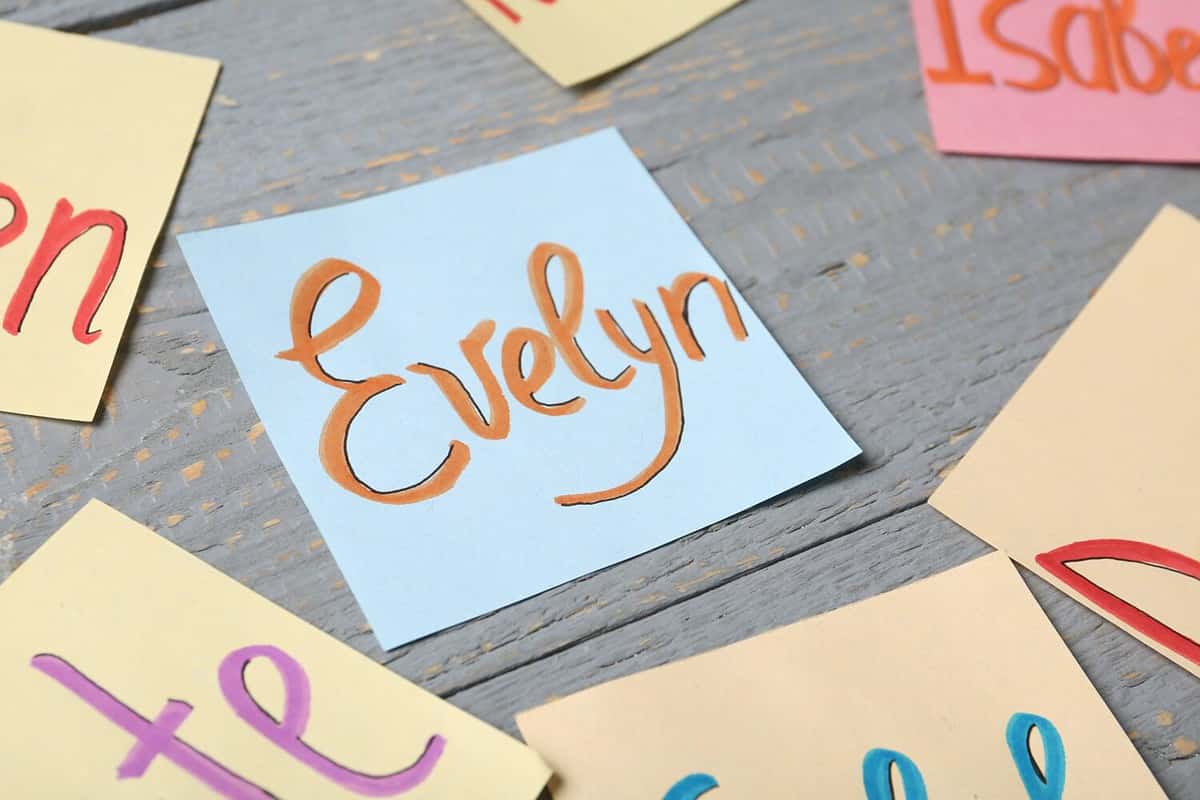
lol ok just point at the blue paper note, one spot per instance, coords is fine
(519, 497)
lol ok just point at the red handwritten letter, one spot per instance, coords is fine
(505, 9)
(15, 226)
(64, 228)
(1056, 563)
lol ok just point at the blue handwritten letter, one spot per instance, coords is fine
(877, 776)
(691, 787)
(1041, 783)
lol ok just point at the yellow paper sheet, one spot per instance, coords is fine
(934, 671)
(147, 623)
(1096, 453)
(577, 40)
(95, 137)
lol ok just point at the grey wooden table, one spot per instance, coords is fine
(915, 292)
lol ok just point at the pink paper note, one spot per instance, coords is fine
(1095, 79)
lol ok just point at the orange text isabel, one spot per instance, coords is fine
(561, 321)
(1122, 57)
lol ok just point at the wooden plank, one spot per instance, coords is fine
(1157, 702)
(915, 291)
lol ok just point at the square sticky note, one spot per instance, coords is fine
(132, 669)
(1088, 475)
(575, 42)
(956, 686)
(1108, 80)
(496, 382)
(95, 137)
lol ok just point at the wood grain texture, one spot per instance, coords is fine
(86, 16)
(915, 292)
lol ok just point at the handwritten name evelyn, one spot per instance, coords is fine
(1118, 55)
(561, 319)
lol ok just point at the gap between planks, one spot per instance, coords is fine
(117, 18)
(607, 629)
